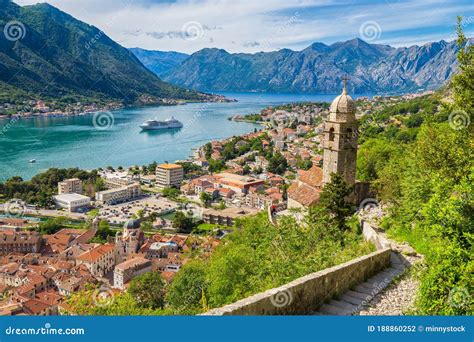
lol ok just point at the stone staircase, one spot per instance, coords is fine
(356, 299)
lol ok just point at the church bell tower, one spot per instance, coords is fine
(340, 139)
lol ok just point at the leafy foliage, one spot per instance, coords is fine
(183, 223)
(52, 225)
(429, 182)
(148, 290)
(259, 256)
(334, 198)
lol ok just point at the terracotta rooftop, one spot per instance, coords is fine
(135, 262)
(49, 297)
(312, 177)
(304, 194)
(96, 253)
(169, 166)
(34, 306)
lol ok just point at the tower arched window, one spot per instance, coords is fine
(331, 134)
(349, 133)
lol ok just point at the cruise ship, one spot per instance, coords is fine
(156, 124)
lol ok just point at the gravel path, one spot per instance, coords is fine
(395, 300)
(399, 297)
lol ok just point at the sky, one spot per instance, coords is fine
(268, 25)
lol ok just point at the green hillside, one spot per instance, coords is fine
(57, 55)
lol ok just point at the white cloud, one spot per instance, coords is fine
(250, 26)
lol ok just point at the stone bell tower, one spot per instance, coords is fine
(340, 139)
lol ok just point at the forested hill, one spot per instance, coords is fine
(418, 156)
(47, 52)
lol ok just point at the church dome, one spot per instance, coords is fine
(343, 103)
(132, 224)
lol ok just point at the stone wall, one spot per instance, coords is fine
(304, 295)
(372, 234)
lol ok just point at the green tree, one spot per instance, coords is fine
(148, 290)
(170, 192)
(52, 225)
(463, 82)
(334, 198)
(205, 198)
(277, 163)
(182, 222)
(103, 232)
(185, 292)
(216, 165)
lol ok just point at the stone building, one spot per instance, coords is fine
(129, 240)
(130, 269)
(340, 139)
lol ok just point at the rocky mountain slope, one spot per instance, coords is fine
(160, 62)
(319, 68)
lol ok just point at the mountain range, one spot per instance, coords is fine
(48, 53)
(316, 69)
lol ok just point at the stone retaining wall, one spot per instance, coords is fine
(304, 295)
(371, 234)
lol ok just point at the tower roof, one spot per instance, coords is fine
(343, 103)
(132, 224)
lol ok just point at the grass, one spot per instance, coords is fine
(207, 227)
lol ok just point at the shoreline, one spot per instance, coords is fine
(105, 109)
(189, 158)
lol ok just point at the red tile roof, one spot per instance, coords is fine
(304, 194)
(96, 253)
(313, 177)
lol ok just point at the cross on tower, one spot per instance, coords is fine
(344, 80)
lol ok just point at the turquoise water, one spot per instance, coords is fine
(77, 142)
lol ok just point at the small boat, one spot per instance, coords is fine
(156, 124)
(32, 161)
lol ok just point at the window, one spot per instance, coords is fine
(331, 134)
(349, 134)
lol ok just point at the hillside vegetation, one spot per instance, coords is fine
(419, 157)
(53, 55)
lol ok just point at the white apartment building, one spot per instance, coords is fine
(70, 186)
(168, 175)
(72, 202)
(118, 195)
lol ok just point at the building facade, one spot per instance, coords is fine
(99, 260)
(129, 240)
(340, 139)
(169, 175)
(119, 195)
(70, 186)
(72, 202)
(23, 242)
(130, 269)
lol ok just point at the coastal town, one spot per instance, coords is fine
(155, 218)
(23, 109)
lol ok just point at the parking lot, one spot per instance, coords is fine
(120, 213)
